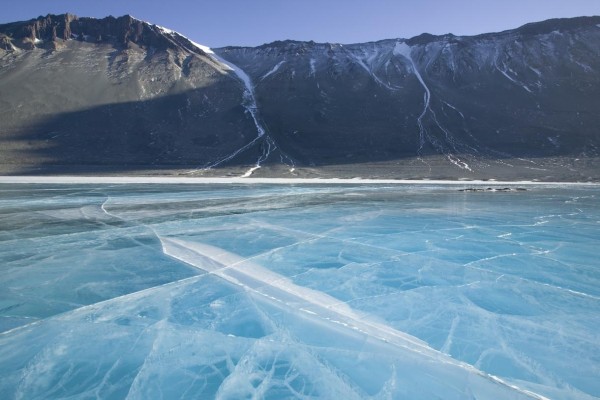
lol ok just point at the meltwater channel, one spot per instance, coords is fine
(231, 291)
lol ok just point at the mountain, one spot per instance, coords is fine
(118, 94)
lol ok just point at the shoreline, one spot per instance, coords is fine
(279, 181)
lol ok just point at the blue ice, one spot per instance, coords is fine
(298, 291)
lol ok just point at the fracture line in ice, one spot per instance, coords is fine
(260, 281)
(123, 298)
(322, 236)
(448, 343)
(471, 265)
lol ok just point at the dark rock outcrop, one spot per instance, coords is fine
(120, 32)
(518, 104)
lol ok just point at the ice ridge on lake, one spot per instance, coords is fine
(298, 291)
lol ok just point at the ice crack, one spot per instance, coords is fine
(260, 281)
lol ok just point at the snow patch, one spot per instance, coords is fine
(537, 71)
(313, 69)
(165, 30)
(402, 49)
(585, 67)
(505, 73)
(250, 171)
(273, 70)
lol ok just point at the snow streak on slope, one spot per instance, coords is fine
(370, 59)
(404, 50)
(272, 71)
(252, 107)
(249, 103)
(504, 71)
(258, 280)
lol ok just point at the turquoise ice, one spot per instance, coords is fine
(299, 291)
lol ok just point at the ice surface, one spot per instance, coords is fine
(298, 291)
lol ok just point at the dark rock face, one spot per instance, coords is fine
(120, 32)
(119, 91)
(530, 92)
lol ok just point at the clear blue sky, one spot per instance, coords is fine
(218, 23)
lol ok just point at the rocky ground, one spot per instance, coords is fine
(431, 168)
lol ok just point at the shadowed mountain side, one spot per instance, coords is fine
(185, 131)
(180, 129)
(114, 92)
(529, 92)
(355, 119)
(83, 94)
(182, 132)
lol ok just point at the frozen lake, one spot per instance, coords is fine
(353, 291)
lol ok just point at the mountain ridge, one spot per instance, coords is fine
(55, 22)
(430, 104)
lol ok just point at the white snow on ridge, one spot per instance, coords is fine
(403, 49)
(166, 30)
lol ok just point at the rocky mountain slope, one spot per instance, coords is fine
(78, 93)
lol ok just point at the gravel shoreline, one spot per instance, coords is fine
(430, 169)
